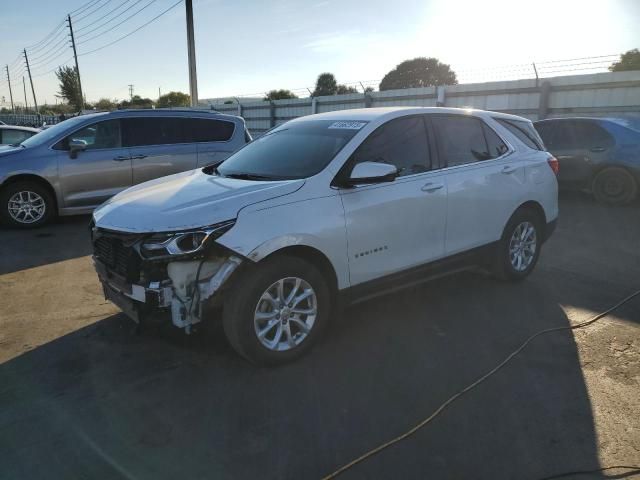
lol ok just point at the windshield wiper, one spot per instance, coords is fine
(248, 176)
(17, 145)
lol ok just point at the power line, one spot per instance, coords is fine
(117, 24)
(48, 60)
(110, 20)
(32, 47)
(100, 18)
(82, 17)
(53, 69)
(134, 31)
(82, 8)
(46, 54)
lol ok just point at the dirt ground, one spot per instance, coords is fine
(81, 396)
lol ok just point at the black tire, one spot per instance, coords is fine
(503, 267)
(614, 186)
(26, 186)
(243, 299)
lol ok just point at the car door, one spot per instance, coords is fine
(216, 139)
(484, 181)
(97, 173)
(579, 145)
(158, 146)
(397, 225)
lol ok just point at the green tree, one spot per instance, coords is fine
(342, 89)
(326, 84)
(279, 95)
(69, 86)
(628, 61)
(174, 99)
(136, 102)
(104, 104)
(418, 72)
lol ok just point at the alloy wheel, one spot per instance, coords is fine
(522, 246)
(285, 314)
(26, 207)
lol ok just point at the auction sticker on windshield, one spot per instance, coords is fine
(348, 125)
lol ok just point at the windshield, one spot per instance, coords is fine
(53, 132)
(296, 150)
(630, 122)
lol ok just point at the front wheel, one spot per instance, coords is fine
(26, 204)
(519, 248)
(277, 311)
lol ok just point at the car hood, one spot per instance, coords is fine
(185, 200)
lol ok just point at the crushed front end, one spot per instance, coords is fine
(176, 275)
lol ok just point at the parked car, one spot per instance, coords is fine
(326, 210)
(76, 165)
(13, 135)
(599, 155)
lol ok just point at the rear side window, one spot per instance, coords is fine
(524, 131)
(497, 147)
(461, 140)
(206, 130)
(141, 131)
(401, 142)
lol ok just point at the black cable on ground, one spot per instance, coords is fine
(633, 470)
(473, 385)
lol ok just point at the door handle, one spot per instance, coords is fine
(597, 149)
(138, 157)
(431, 187)
(120, 158)
(508, 169)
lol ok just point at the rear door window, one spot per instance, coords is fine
(558, 135)
(524, 131)
(461, 140)
(140, 131)
(589, 135)
(208, 130)
(402, 142)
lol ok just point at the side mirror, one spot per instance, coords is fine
(372, 172)
(76, 146)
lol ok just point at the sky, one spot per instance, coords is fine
(247, 47)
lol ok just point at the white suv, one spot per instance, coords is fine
(326, 210)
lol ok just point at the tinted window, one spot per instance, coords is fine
(295, 150)
(401, 142)
(205, 130)
(590, 134)
(460, 139)
(497, 147)
(154, 131)
(95, 136)
(524, 131)
(11, 136)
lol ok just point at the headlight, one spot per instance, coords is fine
(182, 243)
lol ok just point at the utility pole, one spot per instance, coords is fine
(159, 93)
(13, 109)
(75, 55)
(191, 45)
(35, 102)
(130, 92)
(26, 103)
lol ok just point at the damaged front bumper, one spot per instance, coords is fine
(180, 288)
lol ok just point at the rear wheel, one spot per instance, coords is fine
(278, 311)
(519, 248)
(26, 205)
(614, 186)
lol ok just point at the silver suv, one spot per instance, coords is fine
(74, 166)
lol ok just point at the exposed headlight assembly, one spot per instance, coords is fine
(182, 243)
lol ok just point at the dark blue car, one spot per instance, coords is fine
(600, 155)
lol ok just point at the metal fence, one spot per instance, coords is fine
(29, 120)
(599, 94)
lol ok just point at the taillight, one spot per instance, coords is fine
(553, 163)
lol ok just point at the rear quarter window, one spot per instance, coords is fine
(524, 131)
